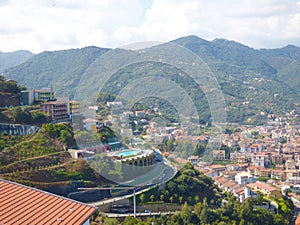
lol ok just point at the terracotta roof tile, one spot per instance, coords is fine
(24, 205)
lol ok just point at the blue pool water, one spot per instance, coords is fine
(127, 153)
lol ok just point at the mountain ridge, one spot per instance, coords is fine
(11, 59)
(266, 79)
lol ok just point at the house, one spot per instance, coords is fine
(254, 148)
(218, 154)
(220, 181)
(114, 104)
(74, 107)
(239, 193)
(57, 110)
(217, 169)
(265, 189)
(27, 97)
(253, 170)
(194, 159)
(262, 159)
(262, 172)
(91, 124)
(230, 174)
(140, 113)
(276, 158)
(237, 167)
(244, 178)
(278, 174)
(25, 205)
(293, 180)
(43, 95)
(290, 164)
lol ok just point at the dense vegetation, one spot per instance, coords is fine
(9, 94)
(189, 185)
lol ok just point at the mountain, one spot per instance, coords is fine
(252, 80)
(60, 69)
(11, 59)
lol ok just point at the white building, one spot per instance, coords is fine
(244, 178)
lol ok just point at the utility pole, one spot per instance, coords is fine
(134, 203)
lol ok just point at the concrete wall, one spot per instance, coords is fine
(106, 207)
(18, 129)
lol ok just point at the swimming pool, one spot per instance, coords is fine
(128, 153)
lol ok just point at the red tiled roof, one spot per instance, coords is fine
(25, 205)
(240, 191)
(222, 180)
(229, 184)
(261, 186)
(297, 222)
(217, 178)
(217, 166)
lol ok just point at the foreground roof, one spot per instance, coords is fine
(20, 204)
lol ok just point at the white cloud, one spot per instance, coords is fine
(49, 25)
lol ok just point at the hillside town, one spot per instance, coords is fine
(252, 158)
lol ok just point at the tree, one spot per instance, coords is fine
(246, 211)
(171, 199)
(142, 197)
(39, 117)
(186, 213)
(198, 209)
(180, 199)
(132, 221)
(279, 220)
(204, 215)
(111, 221)
(21, 116)
(152, 197)
(196, 198)
(162, 197)
(66, 137)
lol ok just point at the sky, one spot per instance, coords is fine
(41, 25)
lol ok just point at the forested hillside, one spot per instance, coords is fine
(252, 80)
(61, 69)
(11, 59)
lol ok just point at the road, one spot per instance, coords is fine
(160, 176)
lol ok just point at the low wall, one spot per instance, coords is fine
(106, 207)
(160, 207)
(18, 129)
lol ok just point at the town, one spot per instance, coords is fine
(252, 159)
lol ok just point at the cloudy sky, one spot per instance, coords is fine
(62, 24)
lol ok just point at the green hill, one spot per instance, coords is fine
(61, 69)
(252, 80)
(41, 160)
(11, 59)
